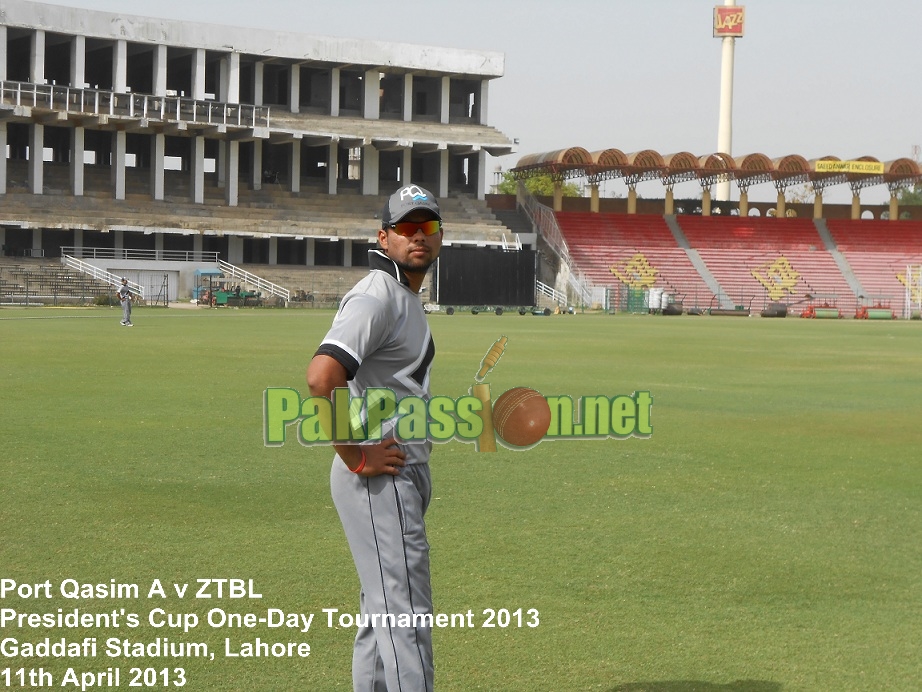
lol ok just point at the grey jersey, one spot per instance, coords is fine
(124, 293)
(381, 337)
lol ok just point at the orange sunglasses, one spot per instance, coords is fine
(408, 229)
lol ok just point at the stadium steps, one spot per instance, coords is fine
(270, 210)
(879, 252)
(43, 281)
(853, 281)
(614, 250)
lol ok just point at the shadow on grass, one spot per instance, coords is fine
(698, 686)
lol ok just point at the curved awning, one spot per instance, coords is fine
(647, 164)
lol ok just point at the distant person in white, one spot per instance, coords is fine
(124, 295)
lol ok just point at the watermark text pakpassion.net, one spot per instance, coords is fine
(348, 419)
(519, 418)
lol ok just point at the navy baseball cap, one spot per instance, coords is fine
(407, 199)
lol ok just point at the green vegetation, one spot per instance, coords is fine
(766, 538)
(539, 185)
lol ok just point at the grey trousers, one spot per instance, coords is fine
(126, 311)
(383, 521)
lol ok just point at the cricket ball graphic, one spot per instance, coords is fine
(521, 416)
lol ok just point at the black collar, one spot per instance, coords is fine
(378, 260)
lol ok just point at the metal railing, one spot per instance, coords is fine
(100, 102)
(139, 254)
(100, 274)
(545, 222)
(543, 289)
(235, 272)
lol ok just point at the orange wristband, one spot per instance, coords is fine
(360, 466)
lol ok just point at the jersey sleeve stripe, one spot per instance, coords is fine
(342, 355)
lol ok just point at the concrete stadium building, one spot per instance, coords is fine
(254, 146)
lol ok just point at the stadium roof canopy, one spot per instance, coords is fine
(751, 169)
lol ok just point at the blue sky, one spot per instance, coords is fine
(816, 77)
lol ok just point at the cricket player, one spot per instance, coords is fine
(124, 295)
(380, 338)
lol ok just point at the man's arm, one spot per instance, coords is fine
(324, 374)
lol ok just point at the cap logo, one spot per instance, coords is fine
(413, 191)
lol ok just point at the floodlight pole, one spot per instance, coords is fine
(725, 121)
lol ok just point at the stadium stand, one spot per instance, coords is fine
(760, 260)
(637, 251)
(878, 253)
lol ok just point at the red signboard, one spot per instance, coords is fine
(728, 21)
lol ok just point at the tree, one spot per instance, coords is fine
(800, 194)
(541, 185)
(910, 196)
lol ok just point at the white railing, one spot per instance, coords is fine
(545, 222)
(100, 274)
(514, 244)
(100, 102)
(234, 272)
(140, 254)
(543, 289)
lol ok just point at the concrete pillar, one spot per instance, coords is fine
(36, 241)
(2, 53)
(669, 209)
(309, 252)
(158, 245)
(220, 167)
(481, 174)
(78, 62)
(294, 89)
(370, 170)
(120, 66)
(484, 101)
(705, 201)
(36, 156)
(2, 236)
(632, 199)
(198, 74)
(407, 97)
(118, 238)
(256, 173)
(332, 166)
(197, 245)
(3, 139)
(232, 175)
(235, 249)
(594, 198)
(259, 70)
(372, 110)
(558, 195)
(77, 153)
(444, 99)
(159, 70)
(818, 205)
(37, 58)
(197, 170)
(334, 92)
(443, 173)
(295, 168)
(157, 153)
(744, 203)
(856, 206)
(78, 239)
(347, 252)
(406, 167)
(781, 208)
(894, 207)
(119, 150)
(231, 78)
(273, 250)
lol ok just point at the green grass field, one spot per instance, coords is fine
(766, 538)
